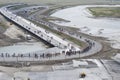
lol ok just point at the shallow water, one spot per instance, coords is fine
(23, 48)
(81, 18)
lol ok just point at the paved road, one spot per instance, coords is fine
(93, 46)
(40, 32)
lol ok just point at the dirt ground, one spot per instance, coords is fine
(39, 68)
(9, 33)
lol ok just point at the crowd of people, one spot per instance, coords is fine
(63, 30)
(49, 55)
(45, 55)
(90, 45)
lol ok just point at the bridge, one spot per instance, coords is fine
(92, 48)
(38, 31)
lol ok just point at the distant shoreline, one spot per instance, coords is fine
(61, 2)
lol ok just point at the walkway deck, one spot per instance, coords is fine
(51, 38)
(40, 32)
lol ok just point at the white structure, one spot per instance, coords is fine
(40, 32)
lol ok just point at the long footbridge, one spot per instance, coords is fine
(38, 31)
(70, 51)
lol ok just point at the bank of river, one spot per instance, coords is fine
(81, 18)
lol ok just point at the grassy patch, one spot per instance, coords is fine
(105, 11)
(18, 6)
(3, 25)
(72, 39)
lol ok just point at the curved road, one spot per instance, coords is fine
(93, 46)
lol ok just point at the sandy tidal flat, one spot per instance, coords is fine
(81, 18)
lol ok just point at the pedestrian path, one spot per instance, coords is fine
(40, 32)
(65, 51)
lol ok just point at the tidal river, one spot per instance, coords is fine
(80, 17)
(23, 48)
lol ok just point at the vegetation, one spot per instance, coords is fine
(113, 12)
(18, 6)
(3, 25)
(72, 39)
(62, 2)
